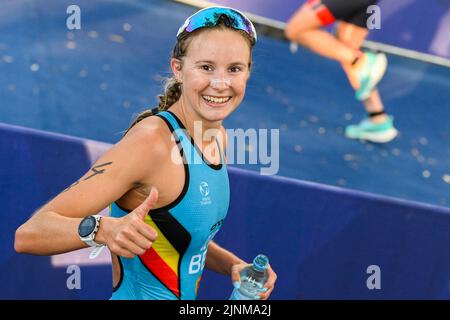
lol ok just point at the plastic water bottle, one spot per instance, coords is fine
(253, 278)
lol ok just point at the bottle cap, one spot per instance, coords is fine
(260, 262)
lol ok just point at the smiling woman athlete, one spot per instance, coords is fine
(165, 206)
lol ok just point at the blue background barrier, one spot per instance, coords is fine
(411, 24)
(320, 239)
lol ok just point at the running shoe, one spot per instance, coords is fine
(375, 132)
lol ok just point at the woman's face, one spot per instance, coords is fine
(214, 73)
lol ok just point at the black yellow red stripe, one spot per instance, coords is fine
(163, 259)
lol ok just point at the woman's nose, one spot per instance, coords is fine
(220, 83)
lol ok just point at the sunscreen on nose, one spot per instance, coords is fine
(217, 82)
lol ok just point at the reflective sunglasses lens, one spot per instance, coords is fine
(209, 18)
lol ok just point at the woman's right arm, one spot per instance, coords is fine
(53, 229)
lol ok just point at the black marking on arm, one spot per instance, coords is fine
(96, 172)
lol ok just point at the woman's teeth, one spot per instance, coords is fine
(216, 99)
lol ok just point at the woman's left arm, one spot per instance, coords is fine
(220, 260)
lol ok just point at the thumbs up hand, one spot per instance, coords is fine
(143, 209)
(129, 235)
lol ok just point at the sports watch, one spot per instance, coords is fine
(88, 229)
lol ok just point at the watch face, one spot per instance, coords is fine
(86, 227)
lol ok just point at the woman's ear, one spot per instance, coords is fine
(175, 65)
(249, 71)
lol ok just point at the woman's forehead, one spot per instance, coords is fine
(219, 43)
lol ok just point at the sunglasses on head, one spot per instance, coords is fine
(209, 17)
